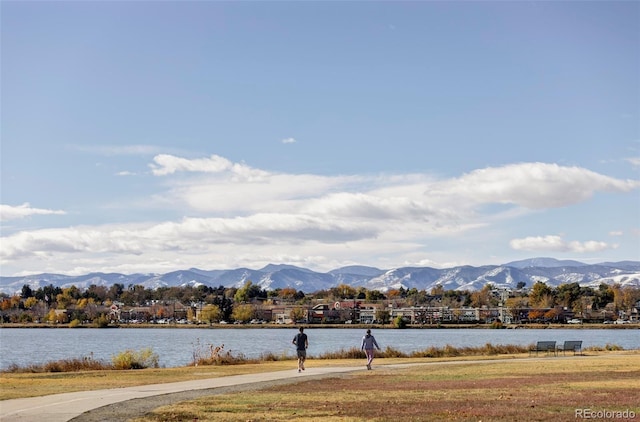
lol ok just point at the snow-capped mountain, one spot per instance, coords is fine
(507, 276)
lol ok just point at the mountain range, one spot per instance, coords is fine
(551, 271)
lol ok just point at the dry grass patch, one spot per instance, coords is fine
(17, 385)
(515, 390)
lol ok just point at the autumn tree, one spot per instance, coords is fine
(481, 297)
(30, 302)
(393, 294)
(287, 293)
(535, 314)
(553, 313)
(541, 295)
(297, 314)
(629, 297)
(244, 312)
(210, 313)
(517, 305)
(5, 305)
(437, 290)
(343, 291)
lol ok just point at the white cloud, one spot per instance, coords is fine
(533, 185)
(554, 243)
(635, 161)
(9, 212)
(289, 141)
(165, 164)
(240, 216)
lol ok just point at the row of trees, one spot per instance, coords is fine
(230, 303)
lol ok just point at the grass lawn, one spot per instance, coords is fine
(495, 388)
(548, 389)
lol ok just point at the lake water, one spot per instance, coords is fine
(176, 346)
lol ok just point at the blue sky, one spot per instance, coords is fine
(157, 136)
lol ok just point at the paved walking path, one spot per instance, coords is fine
(66, 406)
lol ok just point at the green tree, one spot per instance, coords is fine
(248, 292)
(539, 295)
(568, 294)
(26, 292)
(416, 297)
(602, 296)
(115, 291)
(374, 296)
(383, 316)
(399, 322)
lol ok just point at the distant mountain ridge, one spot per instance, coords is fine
(548, 270)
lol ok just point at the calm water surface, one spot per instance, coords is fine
(175, 346)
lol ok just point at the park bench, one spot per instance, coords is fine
(544, 346)
(571, 345)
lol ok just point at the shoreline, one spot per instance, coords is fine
(334, 326)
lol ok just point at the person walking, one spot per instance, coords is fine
(368, 344)
(302, 343)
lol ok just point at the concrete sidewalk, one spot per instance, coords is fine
(66, 406)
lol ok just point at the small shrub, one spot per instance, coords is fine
(451, 351)
(75, 323)
(87, 363)
(607, 347)
(390, 352)
(216, 355)
(399, 322)
(101, 322)
(130, 359)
